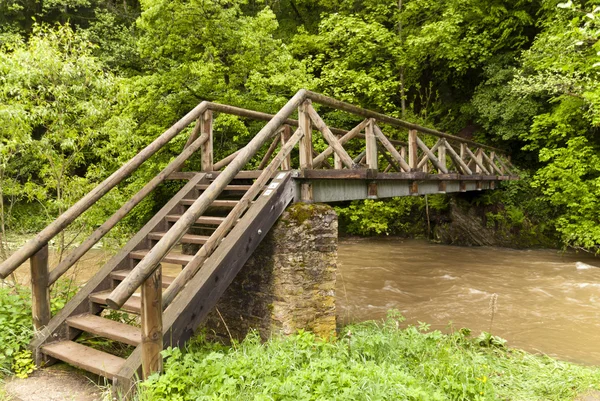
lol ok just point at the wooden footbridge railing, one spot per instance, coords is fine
(351, 165)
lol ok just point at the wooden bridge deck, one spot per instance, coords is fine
(235, 208)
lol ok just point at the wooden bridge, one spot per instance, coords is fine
(242, 205)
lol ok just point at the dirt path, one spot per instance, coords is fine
(57, 383)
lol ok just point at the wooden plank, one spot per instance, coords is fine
(181, 175)
(390, 148)
(354, 174)
(40, 289)
(86, 358)
(152, 340)
(106, 328)
(224, 203)
(329, 137)
(230, 187)
(207, 220)
(186, 239)
(120, 275)
(186, 175)
(132, 305)
(371, 146)
(206, 127)
(171, 257)
(56, 329)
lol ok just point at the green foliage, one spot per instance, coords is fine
(16, 329)
(55, 119)
(368, 361)
(398, 216)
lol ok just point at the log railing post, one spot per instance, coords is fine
(40, 301)
(413, 158)
(371, 146)
(306, 158)
(442, 156)
(151, 316)
(337, 161)
(479, 157)
(206, 127)
(285, 137)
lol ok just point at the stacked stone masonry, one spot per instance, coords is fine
(289, 282)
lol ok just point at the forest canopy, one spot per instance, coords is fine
(85, 84)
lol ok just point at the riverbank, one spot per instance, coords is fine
(544, 302)
(370, 360)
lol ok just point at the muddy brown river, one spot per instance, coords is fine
(545, 303)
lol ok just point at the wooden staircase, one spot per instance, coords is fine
(84, 313)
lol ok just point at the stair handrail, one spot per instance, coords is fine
(146, 267)
(34, 245)
(101, 231)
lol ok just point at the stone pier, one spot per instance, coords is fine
(289, 282)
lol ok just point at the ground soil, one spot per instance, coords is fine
(56, 383)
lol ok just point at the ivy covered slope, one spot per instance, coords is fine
(368, 361)
(87, 84)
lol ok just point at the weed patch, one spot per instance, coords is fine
(368, 361)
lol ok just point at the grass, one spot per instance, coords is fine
(369, 361)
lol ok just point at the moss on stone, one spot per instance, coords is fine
(299, 213)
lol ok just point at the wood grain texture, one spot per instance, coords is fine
(151, 317)
(40, 289)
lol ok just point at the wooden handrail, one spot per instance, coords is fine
(150, 262)
(44, 236)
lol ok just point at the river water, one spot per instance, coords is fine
(545, 304)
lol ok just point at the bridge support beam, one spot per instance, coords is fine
(289, 282)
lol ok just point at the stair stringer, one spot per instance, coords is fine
(200, 295)
(57, 329)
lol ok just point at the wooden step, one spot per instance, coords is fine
(133, 304)
(208, 220)
(106, 328)
(86, 358)
(216, 203)
(186, 239)
(172, 257)
(121, 274)
(230, 187)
